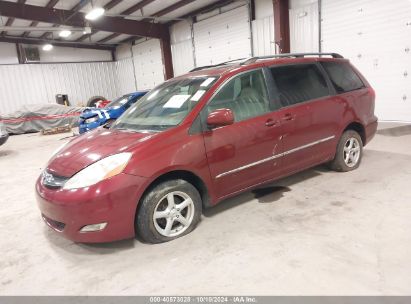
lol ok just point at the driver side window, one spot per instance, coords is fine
(245, 95)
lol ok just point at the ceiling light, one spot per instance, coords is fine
(47, 47)
(65, 33)
(95, 13)
(87, 30)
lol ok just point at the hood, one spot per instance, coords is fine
(87, 113)
(91, 147)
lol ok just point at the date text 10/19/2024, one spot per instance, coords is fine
(204, 299)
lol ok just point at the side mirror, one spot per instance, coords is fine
(220, 117)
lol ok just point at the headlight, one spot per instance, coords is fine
(91, 119)
(103, 169)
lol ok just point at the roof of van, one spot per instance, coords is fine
(246, 63)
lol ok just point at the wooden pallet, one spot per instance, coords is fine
(57, 130)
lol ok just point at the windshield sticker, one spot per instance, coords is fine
(176, 101)
(197, 96)
(207, 82)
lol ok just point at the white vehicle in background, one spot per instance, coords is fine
(3, 134)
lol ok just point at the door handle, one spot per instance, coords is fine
(271, 122)
(288, 117)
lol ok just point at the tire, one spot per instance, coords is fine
(349, 152)
(171, 223)
(93, 100)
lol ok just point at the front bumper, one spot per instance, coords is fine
(83, 127)
(3, 138)
(112, 201)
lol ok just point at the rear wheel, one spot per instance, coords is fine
(349, 152)
(168, 211)
(93, 101)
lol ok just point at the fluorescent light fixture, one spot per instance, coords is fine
(87, 30)
(95, 13)
(65, 33)
(47, 47)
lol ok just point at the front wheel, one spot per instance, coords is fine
(349, 152)
(168, 211)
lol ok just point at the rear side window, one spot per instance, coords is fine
(299, 83)
(342, 76)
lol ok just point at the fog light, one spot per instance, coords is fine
(93, 227)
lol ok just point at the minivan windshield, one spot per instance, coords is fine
(165, 106)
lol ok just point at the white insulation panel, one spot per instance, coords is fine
(304, 32)
(223, 37)
(182, 47)
(375, 36)
(148, 64)
(39, 83)
(263, 36)
(125, 76)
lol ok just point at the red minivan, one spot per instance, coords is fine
(200, 138)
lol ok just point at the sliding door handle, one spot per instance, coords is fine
(271, 122)
(288, 117)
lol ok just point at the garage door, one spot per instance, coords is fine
(375, 36)
(223, 37)
(148, 64)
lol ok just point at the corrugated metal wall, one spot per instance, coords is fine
(182, 47)
(304, 31)
(25, 84)
(125, 76)
(148, 64)
(223, 37)
(375, 36)
(263, 36)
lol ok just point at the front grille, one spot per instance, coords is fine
(53, 181)
(56, 225)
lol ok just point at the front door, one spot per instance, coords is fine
(244, 153)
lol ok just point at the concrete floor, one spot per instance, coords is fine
(315, 233)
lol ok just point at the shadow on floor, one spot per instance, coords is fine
(4, 153)
(396, 131)
(268, 193)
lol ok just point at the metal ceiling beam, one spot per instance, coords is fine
(128, 11)
(128, 39)
(160, 13)
(172, 8)
(18, 40)
(111, 4)
(206, 9)
(73, 11)
(50, 4)
(59, 16)
(10, 21)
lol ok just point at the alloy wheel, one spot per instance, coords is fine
(352, 151)
(173, 214)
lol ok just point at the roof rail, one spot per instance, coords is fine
(285, 55)
(243, 61)
(217, 65)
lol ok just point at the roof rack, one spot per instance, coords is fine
(218, 64)
(244, 61)
(285, 55)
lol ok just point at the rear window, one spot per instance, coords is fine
(299, 83)
(342, 76)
